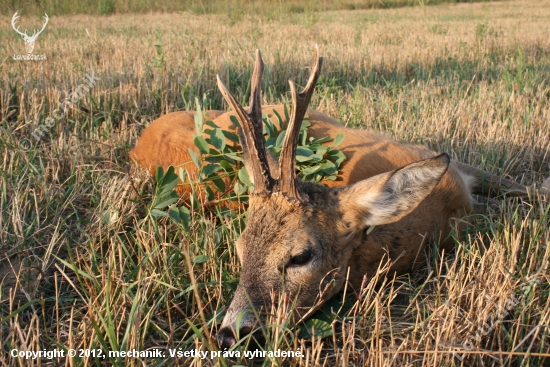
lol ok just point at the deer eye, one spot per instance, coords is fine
(301, 259)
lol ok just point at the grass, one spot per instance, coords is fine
(85, 265)
(238, 9)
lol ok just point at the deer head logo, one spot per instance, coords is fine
(29, 40)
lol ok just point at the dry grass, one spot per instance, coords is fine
(85, 266)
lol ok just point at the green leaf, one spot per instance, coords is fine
(169, 181)
(302, 158)
(166, 200)
(317, 157)
(276, 151)
(235, 121)
(211, 124)
(209, 192)
(196, 331)
(243, 177)
(227, 166)
(220, 185)
(269, 128)
(279, 119)
(322, 150)
(231, 136)
(198, 118)
(239, 188)
(305, 151)
(158, 213)
(270, 142)
(338, 139)
(218, 139)
(280, 138)
(199, 259)
(320, 140)
(328, 167)
(310, 170)
(202, 145)
(287, 115)
(210, 169)
(315, 328)
(338, 156)
(194, 158)
(174, 213)
(185, 217)
(214, 159)
(182, 174)
(234, 156)
(159, 174)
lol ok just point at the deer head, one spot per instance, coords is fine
(300, 236)
(29, 40)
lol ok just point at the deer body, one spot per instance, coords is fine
(165, 142)
(308, 236)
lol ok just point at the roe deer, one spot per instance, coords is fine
(166, 141)
(308, 234)
(302, 237)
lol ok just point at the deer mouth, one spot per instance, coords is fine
(227, 338)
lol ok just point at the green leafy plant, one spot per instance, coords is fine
(220, 164)
(165, 196)
(320, 323)
(159, 61)
(314, 161)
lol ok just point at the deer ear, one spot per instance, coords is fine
(388, 197)
(272, 162)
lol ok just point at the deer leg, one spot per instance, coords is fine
(486, 184)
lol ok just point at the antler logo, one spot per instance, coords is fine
(29, 40)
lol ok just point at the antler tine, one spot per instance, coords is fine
(255, 111)
(46, 18)
(37, 32)
(300, 103)
(13, 21)
(251, 124)
(14, 18)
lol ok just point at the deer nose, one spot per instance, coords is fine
(226, 338)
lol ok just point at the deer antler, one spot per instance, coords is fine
(46, 18)
(253, 136)
(24, 34)
(13, 20)
(252, 128)
(300, 103)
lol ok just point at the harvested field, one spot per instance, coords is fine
(84, 264)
